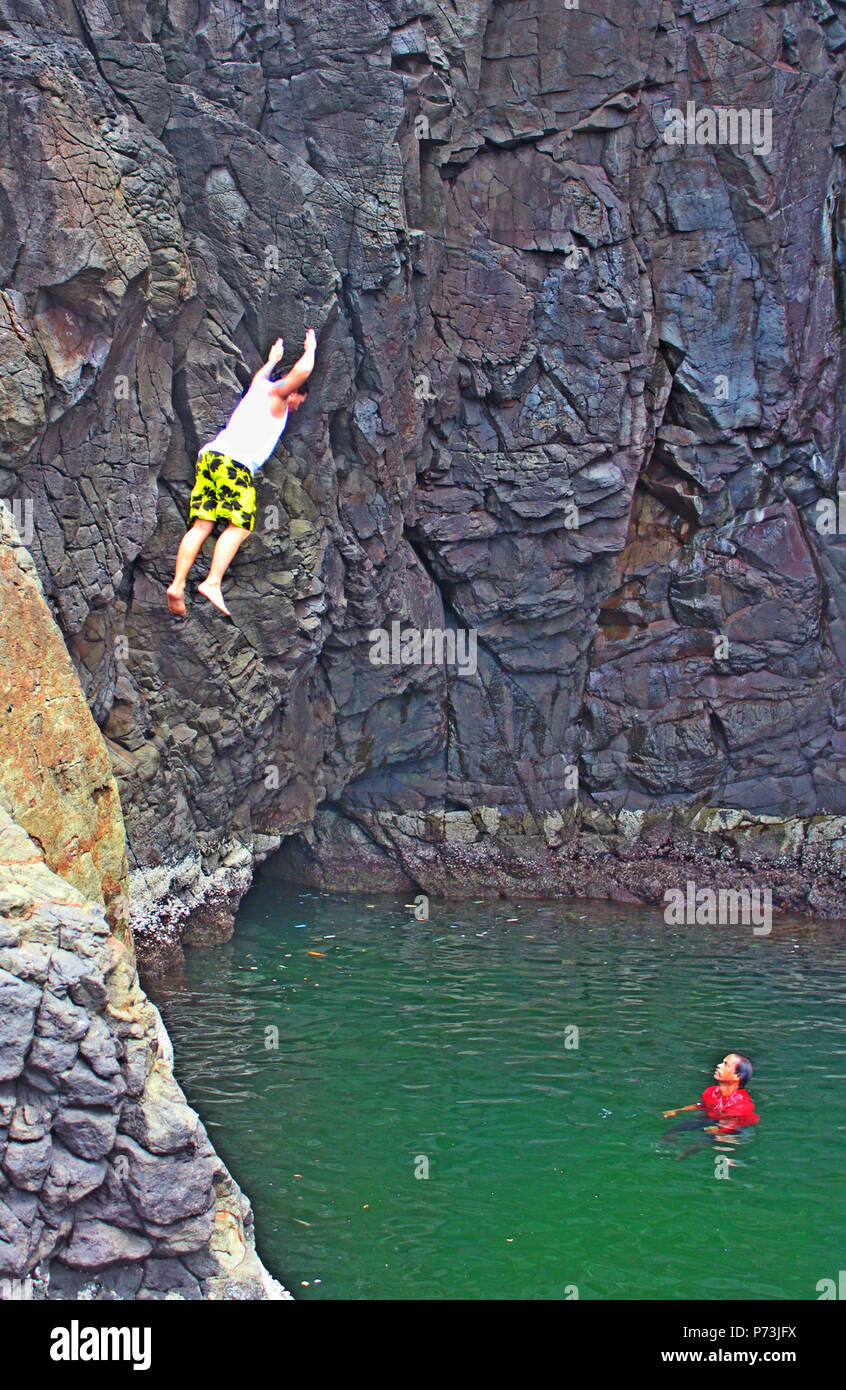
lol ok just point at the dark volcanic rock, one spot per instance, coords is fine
(579, 390)
(99, 1172)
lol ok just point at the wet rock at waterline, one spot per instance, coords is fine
(578, 389)
(628, 857)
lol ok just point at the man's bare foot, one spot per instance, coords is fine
(175, 601)
(213, 593)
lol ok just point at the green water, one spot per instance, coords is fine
(451, 1041)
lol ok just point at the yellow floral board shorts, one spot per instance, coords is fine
(223, 491)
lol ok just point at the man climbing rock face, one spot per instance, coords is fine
(224, 487)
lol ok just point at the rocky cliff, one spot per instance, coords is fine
(109, 1187)
(579, 388)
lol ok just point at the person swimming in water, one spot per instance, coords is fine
(728, 1102)
(224, 487)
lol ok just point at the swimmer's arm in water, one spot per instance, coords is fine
(669, 1113)
(299, 373)
(274, 356)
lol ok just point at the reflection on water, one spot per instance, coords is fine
(338, 1051)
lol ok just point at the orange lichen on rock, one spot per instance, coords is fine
(55, 778)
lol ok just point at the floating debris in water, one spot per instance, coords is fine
(315, 953)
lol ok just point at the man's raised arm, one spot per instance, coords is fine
(299, 373)
(273, 357)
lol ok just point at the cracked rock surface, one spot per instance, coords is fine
(109, 1186)
(578, 389)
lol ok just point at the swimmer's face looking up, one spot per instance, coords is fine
(726, 1070)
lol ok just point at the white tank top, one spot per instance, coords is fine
(251, 433)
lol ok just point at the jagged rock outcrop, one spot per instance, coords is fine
(579, 389)
(109, 1186)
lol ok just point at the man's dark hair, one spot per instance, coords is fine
(743, 1069)
(299, 390)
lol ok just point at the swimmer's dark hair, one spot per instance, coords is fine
(743, 1069)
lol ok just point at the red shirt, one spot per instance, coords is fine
(738, 1108)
